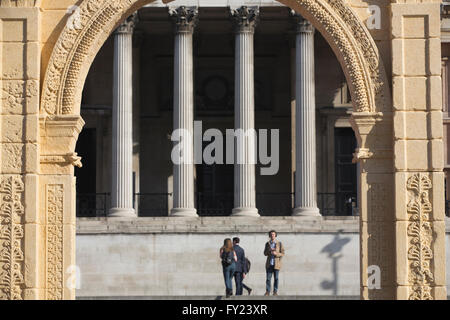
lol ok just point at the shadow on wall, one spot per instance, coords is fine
(333, 249)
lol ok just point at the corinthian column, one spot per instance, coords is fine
(183, 111)
(122, 127)
(305, 113)
(245, 19)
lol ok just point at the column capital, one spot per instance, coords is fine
(185, 18)
(245, 18)
(127, 27)
(301, 24)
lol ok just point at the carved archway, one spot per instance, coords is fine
(78, 44)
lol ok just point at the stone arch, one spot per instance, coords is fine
(79, 42)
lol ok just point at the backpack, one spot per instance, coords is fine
(227, 258)
(248, 264)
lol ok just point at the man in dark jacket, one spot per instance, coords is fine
(241, 266)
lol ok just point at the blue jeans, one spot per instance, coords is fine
(269, 272)
(228, 273)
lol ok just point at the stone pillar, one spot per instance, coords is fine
(22, 221)
(183, 111)
(419, 153)
(245, 19)
(122, 135)
(305, 178)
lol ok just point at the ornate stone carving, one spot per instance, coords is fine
(55, 202)
(61, 131)
(245, 18)
(362, 154)
(68, 65)
(11, 235)
(420, 237)
(128, 25)
(345, 41)
(13, 157)
(16, 94)
(72, 47)
(300, 23)
(62, 160)
(368, 48)
(12, 73)
(185, 18)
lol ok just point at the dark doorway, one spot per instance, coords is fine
(215, 195)
(346, 183)
(86, 176)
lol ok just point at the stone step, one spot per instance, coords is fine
(203, 298)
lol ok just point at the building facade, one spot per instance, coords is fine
(354, 88)
(213, 58)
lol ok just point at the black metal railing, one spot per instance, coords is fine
(214, 204)
(327, 203)
(274, 203)
(337, 204)
(218, 204)
(93, 204)
(153, 204)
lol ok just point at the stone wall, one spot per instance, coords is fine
(167, 257)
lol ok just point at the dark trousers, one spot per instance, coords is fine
(246, 287)
(238, 278)
(269, 272)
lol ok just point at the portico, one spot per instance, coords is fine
(204, 95)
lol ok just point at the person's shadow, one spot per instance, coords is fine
(333, 250)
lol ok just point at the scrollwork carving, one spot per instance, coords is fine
(55, 202)
(420, 237)
(245, 18)
(11, 235)
(363, 41)
(184, 18)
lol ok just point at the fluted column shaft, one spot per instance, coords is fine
(245, 150)
(306, 179)
(183, 111)
(122, 126)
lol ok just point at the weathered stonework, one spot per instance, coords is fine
(401, 167)
(17, 94)
(55, 206)
(418, 160)
(19, 108)
(11, 238)
(420, 237)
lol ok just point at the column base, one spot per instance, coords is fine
(310, 212)
(245, 212)
(122, 213)
(183, 212)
